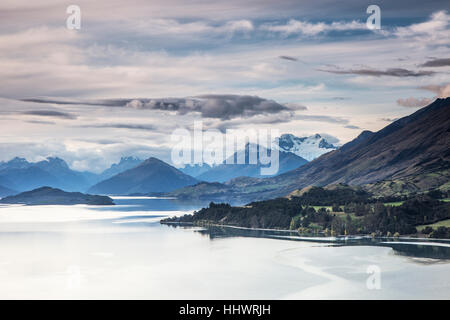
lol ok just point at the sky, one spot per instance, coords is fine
(137, 70)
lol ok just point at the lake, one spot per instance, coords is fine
(123, 252)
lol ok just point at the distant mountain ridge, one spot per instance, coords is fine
(152, 175)
(286, 161)
(21, 175)
(4, 192)
(307, 148)
(18, 174)
(196, 169)
(414, 150)
(124, 164)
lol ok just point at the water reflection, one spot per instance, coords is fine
(158, 204)
(123, 251)
(417, 248)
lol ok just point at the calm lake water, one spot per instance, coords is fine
(123, 252)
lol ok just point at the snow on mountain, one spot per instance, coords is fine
(308, 148)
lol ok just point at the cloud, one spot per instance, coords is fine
(433, 31)
(310, 29)
(164, 27)
(393, 72)
(352, 127)
(85, 157)
(62, 101)
(224, 107)
(330, 138)
(122, 126)
(40, 122)
(239, 25)
(389, 119)
(288, 58)
(296, 106)
(262, 119)
(101, 141)
(437, 63)
(341, 98)
(413, 102)
(321, 118)
(50, 113)
(193, 52)
(442, 91)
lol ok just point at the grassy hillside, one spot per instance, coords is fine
(336, 210)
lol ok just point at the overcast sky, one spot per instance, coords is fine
(137, 70)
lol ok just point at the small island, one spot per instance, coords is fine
(52, 196)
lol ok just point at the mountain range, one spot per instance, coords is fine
(124, 164)
(152, 175)
(306, 148)
(194, 170)
(156, 176)
(20, 175)
(4, 192)
(286, 161)
(411, 154)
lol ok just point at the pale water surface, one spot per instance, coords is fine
(122, 252)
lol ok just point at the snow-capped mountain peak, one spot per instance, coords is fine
(308, 148)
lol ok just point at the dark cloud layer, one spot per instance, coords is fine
(224, 107)
(437, 63)
(393, 72)
(40, 122)
(288, 58)
(101, 141)
(50, 113)
(101, 102)
(122, 126)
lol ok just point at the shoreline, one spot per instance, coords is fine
(306, 237)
